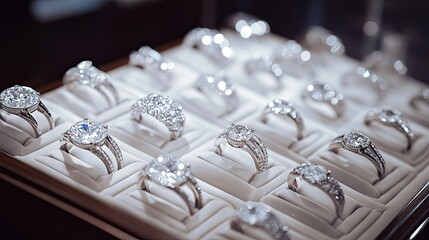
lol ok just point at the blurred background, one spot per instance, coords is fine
(41, 39)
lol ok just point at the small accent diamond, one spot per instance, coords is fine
(20, 97)
(168, 171)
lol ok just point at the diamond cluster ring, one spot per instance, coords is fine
(392, 118)
(285, 110)
(265, 65)
(324, 93)
(362, 145)
(22, 101)
(84, 74)
(241, 136)
(92, 135)
(318, 176)
(219, 85)
(421, 96)
(210, 42)
(248, 26)
(153, 62)
(260, 215)
(164, 109)
(173, 173)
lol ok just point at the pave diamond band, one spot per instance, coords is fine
(153, 62)
(92, 135)
(317, 175)
(164, 109)
(324, 93)
(211, 43)
(284, 109)
(362, 145)
(421, 96)
(260, 215)
(392, 118)
(171, 172)
(241, 136)
(87, 75)
(219, 85)
(22, 101)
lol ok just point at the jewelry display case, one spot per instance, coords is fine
(334, 148)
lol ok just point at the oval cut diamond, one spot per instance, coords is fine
(239, 133)
(88, 132)
(314, 173)
(21, 97)
(356, 140)
(168, 171)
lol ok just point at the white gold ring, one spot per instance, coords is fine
(318, 176)
(360, 144)
(92, 135)
(324, 93)
(84, 74)
(285, 110)
(22, 101)
(421, 96)
(241, 136)
(162, 108)
(173, 173)
(267, 65)
(259, 215)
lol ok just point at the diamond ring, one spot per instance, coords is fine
(392, 118)
(421, 96)
(87, 75)
(265, 65)
(173, 173)
(248, 26)
(241, 136)
(318, 176)
(294, 59)
(364, 75)
(164, 109)
(261, 216)
(92, 135)
(153, 62)
(22, 101)
(210, 42)
(324, 93)
(219, 85)
(285, 110)
(362, 145)
(320, 39)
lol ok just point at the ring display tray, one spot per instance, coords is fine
(78, 181)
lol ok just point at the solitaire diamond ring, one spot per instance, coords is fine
(153, 62)
(421, 96)
(324, 93)
(87, 75)
(267, 65)
(285, 110)
(318, 176)
(173, 173)
(210, 42)
(241, 136)
(261, 216)
(22, 101)
(392, 118)
(219, 85)
(248, 26)
(320, 39)
(92, 135)
(362, 145)
(164, 109)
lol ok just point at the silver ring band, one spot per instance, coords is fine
(324, 93)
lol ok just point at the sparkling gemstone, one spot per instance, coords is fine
(323, 92)
(88, 132)
(239, 133)
(254, 213)
(219, 83)
(168, 171)
(279, 106)
(19, 97)
(356, 140)
(314, 173)
(87, 74)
